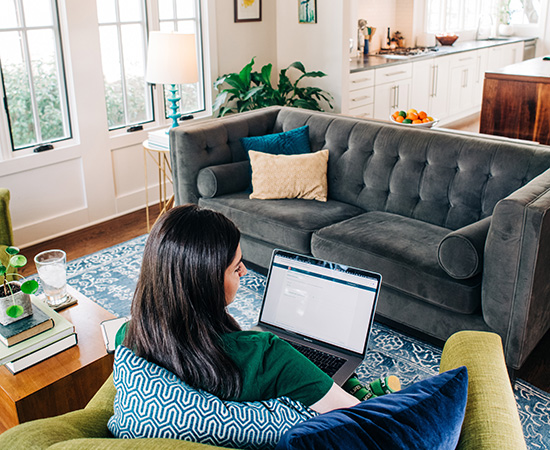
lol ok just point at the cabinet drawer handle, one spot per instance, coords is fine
(466, 59)
(364, 80)
(395, 73)
(357, 99)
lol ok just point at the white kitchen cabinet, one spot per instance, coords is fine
(361, 94)
(504, 55)
(430, 83)
(482, 61)
(392, 89)
(461, 86)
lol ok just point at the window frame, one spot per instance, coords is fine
(7, 145)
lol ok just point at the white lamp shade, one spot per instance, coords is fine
(171, 58)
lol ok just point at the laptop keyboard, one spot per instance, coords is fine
(325, 361)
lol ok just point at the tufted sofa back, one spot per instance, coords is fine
(437, 177)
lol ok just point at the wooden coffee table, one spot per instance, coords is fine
(65, 382)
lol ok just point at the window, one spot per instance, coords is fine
(123, 34)
(33, 80)
(521, 12)
(184, 16)
(123, 37)
(456, 15)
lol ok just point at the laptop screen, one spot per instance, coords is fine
(324, 301)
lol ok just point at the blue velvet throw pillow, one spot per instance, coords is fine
(427, 415)
(151, 402)
(292, 142)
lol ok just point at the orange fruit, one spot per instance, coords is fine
(412, 115)
(425, 120)
(412, 111)
(422, 115)
(395, 114)
(417, 121)
(399, 119)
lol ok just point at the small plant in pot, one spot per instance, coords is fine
(15, 300)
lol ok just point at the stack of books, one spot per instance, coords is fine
(159, 138)
(35, 338)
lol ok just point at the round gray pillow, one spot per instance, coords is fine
(460, 253)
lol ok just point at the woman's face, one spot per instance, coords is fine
(233, 275)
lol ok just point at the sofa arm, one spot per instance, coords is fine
(224, 179)
(210, 143)
(491, 420)
(516, 286)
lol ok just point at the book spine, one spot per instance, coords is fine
(40, 355)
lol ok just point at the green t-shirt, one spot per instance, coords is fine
(270, 368)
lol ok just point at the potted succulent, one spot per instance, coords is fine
(15, 300)
(247, 90)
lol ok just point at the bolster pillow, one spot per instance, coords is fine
(460, 253)
(224, 179)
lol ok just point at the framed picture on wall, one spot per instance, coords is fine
(248, 10)
(307, 11)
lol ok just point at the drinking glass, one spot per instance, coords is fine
(52, 270)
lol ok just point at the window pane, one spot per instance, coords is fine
(37, 13)
(187, 26)
(8, 18)
(434, 16)
(470, 14)
(18, 92)
(110, 58)
(166, 9)
(134, 66)
(185, 9)
(46, 84)
(167, 26)
(453, 16)
(130, 10)
(106, 12)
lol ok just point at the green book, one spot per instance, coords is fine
(25, 328)
(62, 327)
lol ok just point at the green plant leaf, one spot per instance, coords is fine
(221, 98)
(2, 269)
(14, 311)
(12, 250)
(18, 261)
(253, 92)
(297, 65)
(266, 74)
(29, 286)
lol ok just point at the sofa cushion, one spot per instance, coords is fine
(427, 415)
(404, 251)
(151, 402)
(289, 176)
(292, 142)
(460, 253)
(287, 223)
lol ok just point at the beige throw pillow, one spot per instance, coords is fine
(289, 176)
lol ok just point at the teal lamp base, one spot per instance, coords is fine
(173, 99)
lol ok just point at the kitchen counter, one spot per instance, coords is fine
(516, 101)
(369, 62)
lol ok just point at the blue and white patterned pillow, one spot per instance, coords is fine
(151, 402)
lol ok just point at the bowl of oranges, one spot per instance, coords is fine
(413, 118)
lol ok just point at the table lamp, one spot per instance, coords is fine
(172, 60)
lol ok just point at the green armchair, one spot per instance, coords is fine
(6, 231)
(491, 421)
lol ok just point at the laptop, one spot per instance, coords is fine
(323, 309)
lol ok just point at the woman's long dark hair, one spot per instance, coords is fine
(178, 310)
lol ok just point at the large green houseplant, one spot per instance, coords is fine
(247, 90)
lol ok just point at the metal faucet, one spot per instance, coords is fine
(479, 35)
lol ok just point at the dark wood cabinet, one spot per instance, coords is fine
(516, 101)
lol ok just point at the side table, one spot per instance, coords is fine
(65, 382)
(161, 157)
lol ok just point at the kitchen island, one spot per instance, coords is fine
(516, 101)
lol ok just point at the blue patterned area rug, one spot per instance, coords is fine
(108, 277)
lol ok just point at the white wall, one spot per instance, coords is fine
(319, 46)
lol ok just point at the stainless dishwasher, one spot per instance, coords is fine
(529, 49)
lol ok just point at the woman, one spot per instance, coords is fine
(192, 265)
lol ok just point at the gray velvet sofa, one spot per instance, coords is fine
(458, 226)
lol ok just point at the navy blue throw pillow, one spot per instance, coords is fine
(426, 415)
(293, 142)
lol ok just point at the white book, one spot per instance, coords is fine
(44, 353)
(159, 138)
